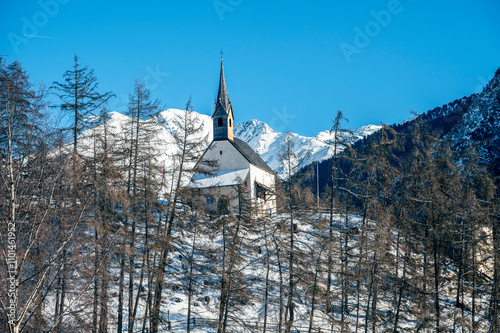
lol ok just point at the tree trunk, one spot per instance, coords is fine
(121, 286)
(494, 307)
(436, 279)
(280, 272)
(266, 294)
(313, 301)
(190, 282)
(402, 285)
(291, 277)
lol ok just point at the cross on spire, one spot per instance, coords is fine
(221, 53)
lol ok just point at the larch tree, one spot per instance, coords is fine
(291, 163)
(21, 111)
(337, 144)
(140, 166)
(107, 181)
(79, 98)
(190, 144)
(31, 175)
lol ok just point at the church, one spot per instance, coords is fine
(242, 181)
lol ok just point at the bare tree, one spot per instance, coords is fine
(339, 142)
(291, 163)
(140, 163)
(190, 146)
(31, 209)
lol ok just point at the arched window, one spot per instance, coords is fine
(223, 205)
(219, 122)
(230, 122)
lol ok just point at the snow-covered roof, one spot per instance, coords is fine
(219, 178)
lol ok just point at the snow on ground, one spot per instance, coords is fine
(247, 312)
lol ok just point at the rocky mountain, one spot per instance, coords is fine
(480, 124)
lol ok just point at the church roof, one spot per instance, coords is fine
(219, 178)
(250, 155)
(222, 101)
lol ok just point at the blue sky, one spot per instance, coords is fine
(291, 64)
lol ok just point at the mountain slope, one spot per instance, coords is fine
(468, 121)
(480, 124)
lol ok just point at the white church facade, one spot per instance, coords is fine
(242, 180)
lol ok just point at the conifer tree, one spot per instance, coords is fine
(21, 147)
(33, 207)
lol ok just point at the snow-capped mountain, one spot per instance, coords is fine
(262, 138)
(474, 118)
(268, 142)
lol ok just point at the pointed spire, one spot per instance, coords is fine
(223, 111)
(222, 97)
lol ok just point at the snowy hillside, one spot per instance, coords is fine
(262, 138)
(480, 123)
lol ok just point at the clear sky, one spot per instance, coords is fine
(291, 64)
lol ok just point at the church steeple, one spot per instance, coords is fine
(222, 97)
(223, 111)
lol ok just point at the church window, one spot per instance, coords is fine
(210, 201)
(221, 152)
(223, 205)
(230, 123)
(260, 191)
(219, 122)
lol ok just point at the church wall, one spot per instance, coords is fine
(267, 179)
(230, 159)
(230, 192)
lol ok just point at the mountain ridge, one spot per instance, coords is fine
(465, 122)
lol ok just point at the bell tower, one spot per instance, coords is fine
(222, 117)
